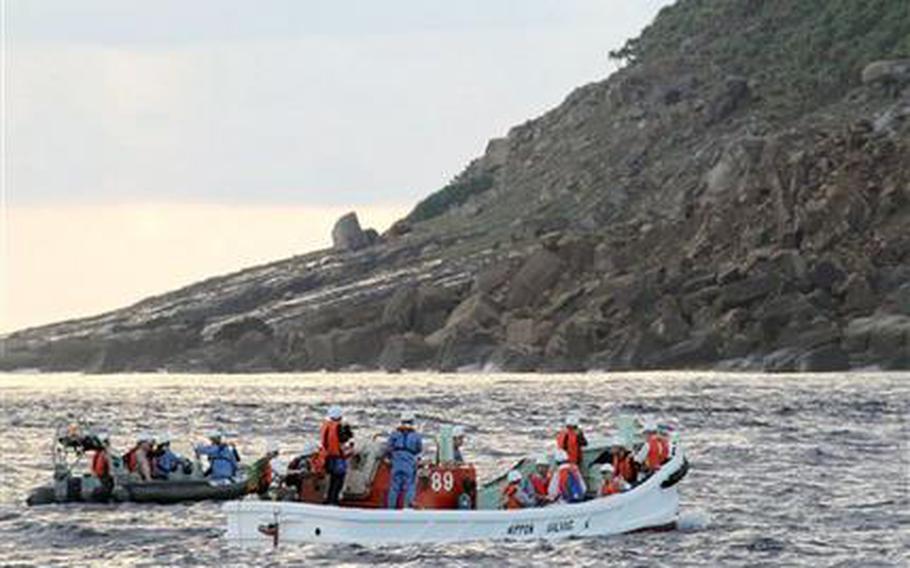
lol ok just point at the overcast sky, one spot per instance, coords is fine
(248, 106)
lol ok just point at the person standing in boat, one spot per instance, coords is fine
(332, 453)
(224, 459)
(572, 440)
(566, 484)
(516, 494)
(623, 463)
(613, 483)
(656, 449)
(404, 447)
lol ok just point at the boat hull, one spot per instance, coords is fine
(159, 492)
(652, 504)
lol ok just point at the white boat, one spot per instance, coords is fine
(653, 504)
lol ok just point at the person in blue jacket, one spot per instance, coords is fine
(164, 460)
(223, 457)
(404, 447)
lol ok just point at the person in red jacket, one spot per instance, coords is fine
(571, 439)
(515, 495)
(612, 482)
(101, 468)
(333, 454)
(540, 478)
(623, 463)
(658, 448)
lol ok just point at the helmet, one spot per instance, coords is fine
(215, 434)
(561, 456)
(334, 413)
(144, 437)
(606, 469)
(458, 431)
(310, 447)
(649, 427)
(514, 476)
(572, 420)
(272, 447)
(542, 459)
(407, 417)
(103, 436)
(164, 438)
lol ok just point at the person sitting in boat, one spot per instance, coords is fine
(613, 483)
(164, 460)
(101, 467)
(138, 459)
(540, 479)
(404, 447)
(572, 439)
(457, 443)
(656, 449)
(224, 459)
(272, 471)
(333, 453)
(567, 485)
(624, 464)
(298, 469)
(516, 494)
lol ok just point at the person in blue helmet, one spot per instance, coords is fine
(404, 447)
(223, 457)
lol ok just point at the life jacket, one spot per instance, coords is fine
(540, 484)
(265, 478)
(510, 496)
(611, 487)
(658, 452)
(570, 440)
(624, 467)
(131, 459)
(331, 439)
(99, 464)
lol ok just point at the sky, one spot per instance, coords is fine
(151, 144)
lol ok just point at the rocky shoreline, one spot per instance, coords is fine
(679, 214)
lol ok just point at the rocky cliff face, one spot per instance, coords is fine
(737, 196)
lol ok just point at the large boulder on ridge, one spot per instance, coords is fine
(347, 234)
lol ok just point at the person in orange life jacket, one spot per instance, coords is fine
(540, 478)
(404, 447)
(138, 459)
(101, 467)
(613, 483)
(567, 485)
(516, 495)
(623, 463)
(572, 440)
(273, 469)
(224, 459)
(333, 452)
(656, 449)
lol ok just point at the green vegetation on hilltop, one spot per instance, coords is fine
(808, 50)
(452, 195)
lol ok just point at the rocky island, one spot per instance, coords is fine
(736, 196)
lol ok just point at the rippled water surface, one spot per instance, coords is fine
(804, 470)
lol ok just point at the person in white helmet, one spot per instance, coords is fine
(224, 459)
(334, 453)
(567, 485)
(164, 460)
(572, 440)
(138, 458)
(613, 483)
(515, 494)
(540, 478)
(404, 447)
(457, 443)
